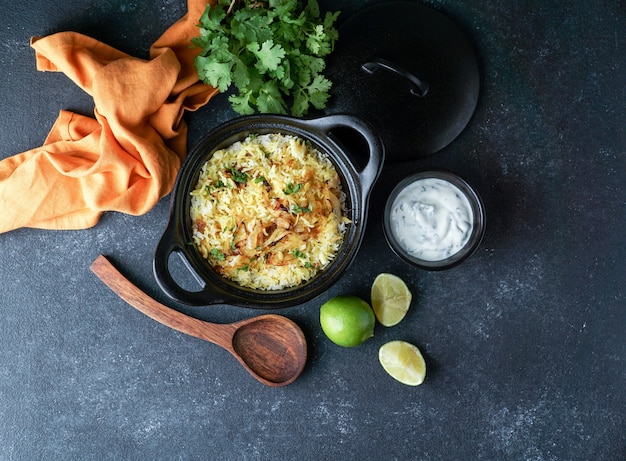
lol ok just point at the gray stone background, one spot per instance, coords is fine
(525, 342)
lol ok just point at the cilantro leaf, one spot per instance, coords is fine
(269, 55)
(315, 39)
(242, 103)
(319, 91)
(212, 18)
(240, 74)
(216, 74)
(249, 26)
(286, 80)
(300, 103)
(316, 93)
(331, 33)
(269, 100)
(312, 9)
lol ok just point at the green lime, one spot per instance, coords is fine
(347, 320)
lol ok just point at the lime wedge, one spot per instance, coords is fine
(403, 361)
(391, 299)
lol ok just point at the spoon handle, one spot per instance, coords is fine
(125, 289)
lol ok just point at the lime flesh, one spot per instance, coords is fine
(403, 361)
(391, 299)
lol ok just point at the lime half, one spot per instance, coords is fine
(403, 361)
(391, 299)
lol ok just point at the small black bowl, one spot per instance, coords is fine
(476, 233)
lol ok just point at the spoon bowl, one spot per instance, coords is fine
(271, 347)
(265, 345)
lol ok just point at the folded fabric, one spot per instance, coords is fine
(127, 157)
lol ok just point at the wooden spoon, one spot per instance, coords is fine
(271, 347)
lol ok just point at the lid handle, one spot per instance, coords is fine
(418, 88)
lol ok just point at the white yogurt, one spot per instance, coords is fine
(431, 219)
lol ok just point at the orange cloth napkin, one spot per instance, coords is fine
(127, 157)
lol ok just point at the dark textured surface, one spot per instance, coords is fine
(525, 342)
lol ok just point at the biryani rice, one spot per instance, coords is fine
(268, 212)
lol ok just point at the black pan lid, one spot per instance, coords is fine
(409, 71)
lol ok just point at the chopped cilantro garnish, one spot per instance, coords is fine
(262, 180)
(291, 188)
(217, 254)
(216, 185)
(297, 209)
(238, 176)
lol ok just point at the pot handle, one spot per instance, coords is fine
(171, 243)
(369, 173)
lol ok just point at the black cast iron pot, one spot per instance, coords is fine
(357, 154)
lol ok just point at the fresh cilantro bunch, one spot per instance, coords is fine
(272, 51)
